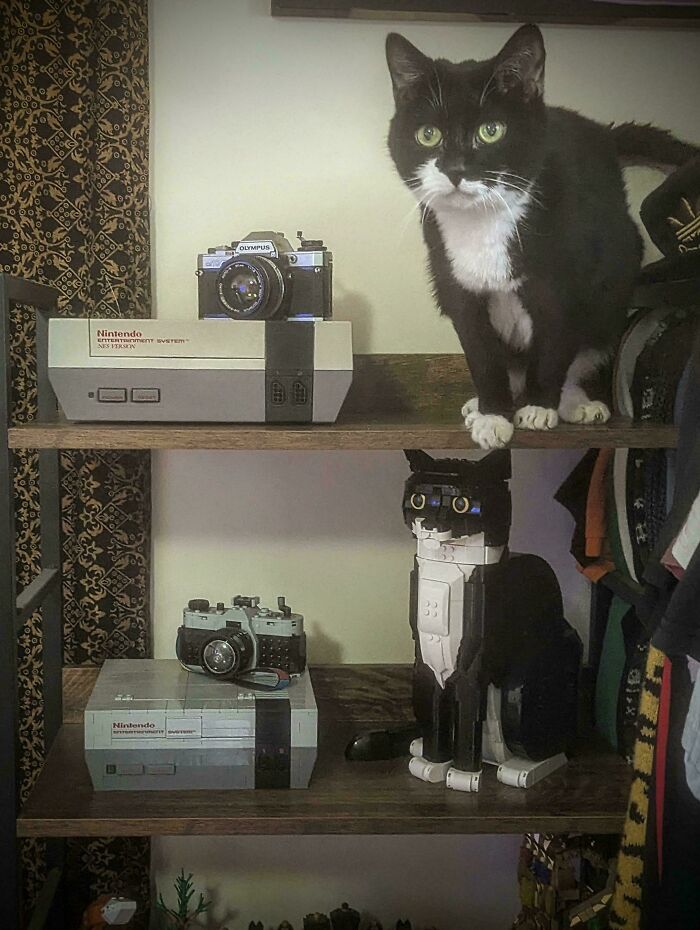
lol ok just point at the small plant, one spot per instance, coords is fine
(181, 918)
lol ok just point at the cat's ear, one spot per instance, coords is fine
(495, 466)
(407, 65)
(418, 460)
(519, 66)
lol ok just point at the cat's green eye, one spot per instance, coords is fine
(460, 504)
(418, 501)
(491, 132)
(429, 136)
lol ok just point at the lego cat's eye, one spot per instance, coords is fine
(491, 132)
(418, 501)
(428, 136)
(460, 504)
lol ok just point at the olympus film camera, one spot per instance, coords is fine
(262, 277)
(228, 641)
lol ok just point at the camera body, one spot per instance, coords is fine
(227, 641)
(262, 277)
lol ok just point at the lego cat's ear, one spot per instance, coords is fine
(418, 460)
(495, 466)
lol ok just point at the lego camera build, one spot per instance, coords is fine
(262, 277)
(227, 641)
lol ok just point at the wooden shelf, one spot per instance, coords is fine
(395, 402)
(590, 794)
(611, 13)
(348, 433)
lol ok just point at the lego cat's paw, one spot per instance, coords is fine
(463, 781)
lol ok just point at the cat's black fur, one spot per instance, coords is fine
(576, 252)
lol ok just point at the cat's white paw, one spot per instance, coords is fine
(489, 430)
(534, 417)
(595, 411)
(470, 411)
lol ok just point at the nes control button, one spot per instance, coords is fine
(160, 769)
(145, 395)
(129, 769)
(107, 395)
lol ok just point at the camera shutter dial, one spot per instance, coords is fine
(250, 288)
(227, 653)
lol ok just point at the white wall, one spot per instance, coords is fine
(261, 122)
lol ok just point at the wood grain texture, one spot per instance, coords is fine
(395, 402)
(347, 433)
(590, 794)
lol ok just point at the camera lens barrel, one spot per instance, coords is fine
(250, 288)
(227, 653)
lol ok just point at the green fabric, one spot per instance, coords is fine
(610, 671)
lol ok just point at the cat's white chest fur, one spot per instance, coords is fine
(477, 241)
(510, 319)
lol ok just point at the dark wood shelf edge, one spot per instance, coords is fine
(567, 12)
(352, 826)
(344, 435)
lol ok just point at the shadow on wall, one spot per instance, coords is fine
(323, 648)
(353, 306)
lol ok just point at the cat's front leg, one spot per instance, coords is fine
(486, 416)
(550, 353)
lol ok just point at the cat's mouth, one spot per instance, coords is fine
(434, 189)
(465, 198)
(469, 194)
(432, 535)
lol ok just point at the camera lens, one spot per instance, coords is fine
(245, 288)
(219, 657)
(226, 653)
(250, 288)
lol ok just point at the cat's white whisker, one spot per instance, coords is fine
(526, 191)
(423, 205)
(487, 87)
(441, 100)
(515, 222)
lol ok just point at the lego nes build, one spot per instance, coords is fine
(150, 724)
(216, 371)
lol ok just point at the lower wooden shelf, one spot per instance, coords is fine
(589, 795)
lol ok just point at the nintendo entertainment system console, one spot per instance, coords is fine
(264, 349)
(261, 371)
(151, 724)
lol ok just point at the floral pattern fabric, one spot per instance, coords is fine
(74, 214)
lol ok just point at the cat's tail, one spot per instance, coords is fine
(647, 145)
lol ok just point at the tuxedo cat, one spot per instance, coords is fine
(532, 251)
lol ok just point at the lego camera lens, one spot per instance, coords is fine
(227, 653)
(250, 288)
(219, 657)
